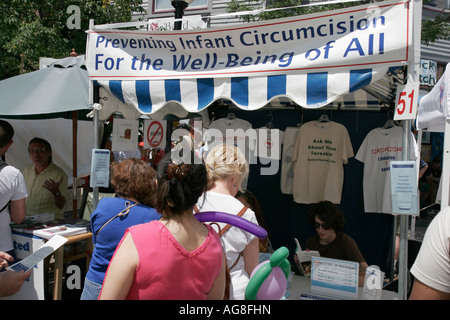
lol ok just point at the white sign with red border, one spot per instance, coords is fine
(344, 38)
(407, 101)
(155, 132)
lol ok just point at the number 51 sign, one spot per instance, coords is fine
(406, 101)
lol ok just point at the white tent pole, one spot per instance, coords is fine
(403, 250)
(413, 75)
(95, 196)
(74, 163)
(419, 152)
(93, 98)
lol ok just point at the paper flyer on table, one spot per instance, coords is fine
(63, 230)
(29, 262)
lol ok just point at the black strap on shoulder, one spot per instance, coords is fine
(6, 205)
(2, 165)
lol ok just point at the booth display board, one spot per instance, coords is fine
(310, 59)
(332, 277)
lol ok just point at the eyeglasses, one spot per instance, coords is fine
(323, 225)
(40, 150)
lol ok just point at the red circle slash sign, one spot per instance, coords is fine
(155, 134)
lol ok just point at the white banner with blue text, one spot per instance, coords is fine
(312, 59)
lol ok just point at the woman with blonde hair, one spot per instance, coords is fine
(227, 170)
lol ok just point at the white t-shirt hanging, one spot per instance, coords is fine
(232, 131)
(235, 132)
(321, 150)
(379, 148)
(269, 143)
(289, 140)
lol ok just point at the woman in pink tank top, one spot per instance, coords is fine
(176, 257)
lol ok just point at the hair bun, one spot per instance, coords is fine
(180, 171)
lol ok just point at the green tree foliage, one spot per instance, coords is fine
(434, 29)
(437, 28)
(290, 8)
(30, 29)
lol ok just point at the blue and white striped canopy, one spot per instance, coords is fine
(308, 90)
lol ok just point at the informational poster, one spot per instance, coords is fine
(125, 135)
(336, 278)
(100, 168)
(404, 187)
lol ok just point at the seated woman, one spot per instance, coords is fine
(328, 221)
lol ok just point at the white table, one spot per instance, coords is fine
(302, 285)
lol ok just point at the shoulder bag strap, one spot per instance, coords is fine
(226, 228)
(124, 212)
(240, 214)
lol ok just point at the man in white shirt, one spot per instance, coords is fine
(431, 269)
(13, 192)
